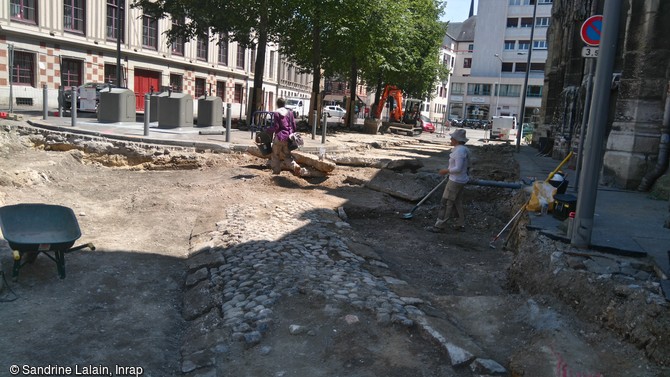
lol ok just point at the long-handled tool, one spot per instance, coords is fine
(410, 214)
(522, 209)
(492, 243)
(565, 161)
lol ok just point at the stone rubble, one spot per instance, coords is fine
(258, 255)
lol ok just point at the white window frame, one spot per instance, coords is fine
(540, 45)
(542, 22)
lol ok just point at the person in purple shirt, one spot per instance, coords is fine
(283, 125)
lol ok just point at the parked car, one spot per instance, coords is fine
(474, 123)
(455, 122)
(426, 124)
(334, 111)
(67, 95)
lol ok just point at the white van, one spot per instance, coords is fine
(503, 128)
(299, 106)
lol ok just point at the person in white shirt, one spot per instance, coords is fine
(452, 198)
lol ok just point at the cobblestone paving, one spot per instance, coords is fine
(258, 254)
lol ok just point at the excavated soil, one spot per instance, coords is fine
(524, 305)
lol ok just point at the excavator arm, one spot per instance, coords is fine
(393, 95)
(407, 119)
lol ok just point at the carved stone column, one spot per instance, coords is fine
(632, 144)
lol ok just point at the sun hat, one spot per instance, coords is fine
(459, 135)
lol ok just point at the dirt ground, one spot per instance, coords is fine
(122, 303)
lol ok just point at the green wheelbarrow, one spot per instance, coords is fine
(31, 229)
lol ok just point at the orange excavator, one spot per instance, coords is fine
(393, 95)
(399, 119)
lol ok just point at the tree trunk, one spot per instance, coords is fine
(352, 93)
(378, 94)
(259, 66)
(315, 103)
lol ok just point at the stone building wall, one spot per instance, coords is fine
(638, 97)
(565, 66)
(632, 144)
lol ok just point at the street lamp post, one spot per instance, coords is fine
(522, 111)
(499, 84)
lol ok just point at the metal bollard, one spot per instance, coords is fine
(73, 106)
(316, 122)
(45, 102)
(323, 128)
(229, 108)
(147, 112)
(60, 102)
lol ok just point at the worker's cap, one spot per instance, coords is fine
(459, 135)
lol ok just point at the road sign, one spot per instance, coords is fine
(591, 29)
(590, 52)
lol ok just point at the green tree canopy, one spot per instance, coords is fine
(390, 41)
(413, 62)
(250, 23)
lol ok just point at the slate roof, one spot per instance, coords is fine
(462, 31)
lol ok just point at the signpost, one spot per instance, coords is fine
(590, 33)
(598, 114)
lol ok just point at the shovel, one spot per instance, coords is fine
(410, 214)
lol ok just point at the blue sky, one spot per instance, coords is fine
(457, 10)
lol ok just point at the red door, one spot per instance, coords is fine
(144, 82)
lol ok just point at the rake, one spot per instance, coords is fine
(410, 214)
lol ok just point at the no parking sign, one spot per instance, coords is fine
(591, 30)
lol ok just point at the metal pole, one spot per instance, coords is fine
(245, 102)
(229, 109)
(315, 123)
(118, 46)
(61, 91)
(45, 102)
(323, 128)
(522, 112)
(595, 134)
(11, 77)
(60, 101)
(147, 113)
(73, 106)
(499, 83)
(585, 118)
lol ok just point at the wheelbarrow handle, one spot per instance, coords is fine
(88, 245)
